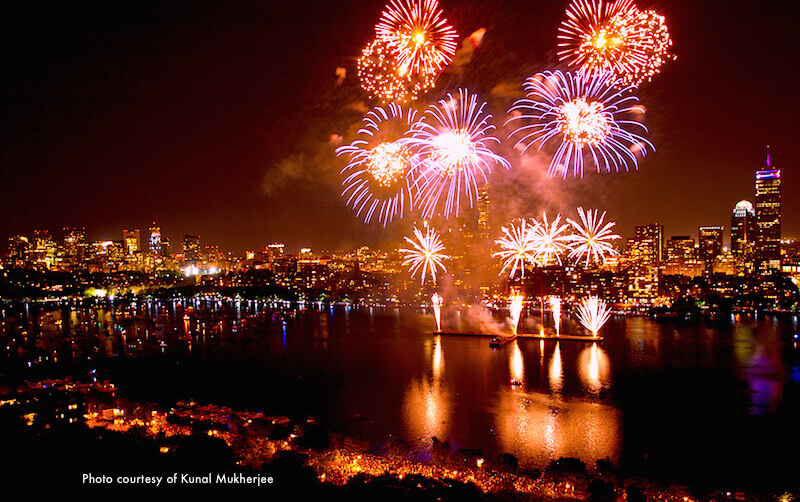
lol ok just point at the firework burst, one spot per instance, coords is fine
(587, 115)
(418, 36)
(380, 78)
(593, 313)
(452, 147)
(549, 240)
(376, 180)
(517, 248)
(426, 255)
(614, 37)
(591, 239)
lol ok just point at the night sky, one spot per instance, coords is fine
(215, 118)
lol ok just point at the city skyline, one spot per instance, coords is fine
(206, 119)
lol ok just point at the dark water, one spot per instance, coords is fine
(705, 402)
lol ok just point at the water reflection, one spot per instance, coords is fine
(543, 427)
(556, 373)
(515, 365)
(427, 404)
(594, 369)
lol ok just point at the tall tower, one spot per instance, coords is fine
(768, 219)
(651, 237)
(743, 236)
(710, 242)
(132, 239)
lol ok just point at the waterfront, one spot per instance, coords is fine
(718, 400)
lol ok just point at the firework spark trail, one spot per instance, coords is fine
(517, 247)
(437, 301)
(451, 145)
(549, 240)
(376, 176)
(614, 37)
(593, 313)
(591, 237)
(587, 115)
(555, 306)
(426, 254)
(418, 35)
(515, 309)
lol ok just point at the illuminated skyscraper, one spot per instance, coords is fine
(132, 241)
(191, 248)
(650, 238)
(682, 257)
(74, 247)
(155, 241)
(768, 219)
(644, 257)
(743, 236)
(710, 243)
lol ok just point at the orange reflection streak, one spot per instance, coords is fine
(540, 427)
(556, 371)
(593, 368)
(438, 359)
(515, 364)
(427, 402)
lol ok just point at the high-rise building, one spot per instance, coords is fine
(644, 256)
(681, 257)
(651, 239)
(154, 243)
(43, 251)
(768, 219)
(132, 239)
(74, 247)
(743, 236)
(18, 252)
(710, 245)
(191, 248)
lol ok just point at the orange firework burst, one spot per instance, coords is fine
(380, 78)
(614, 37)
(418, 35)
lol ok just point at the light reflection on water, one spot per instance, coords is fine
(388, 366)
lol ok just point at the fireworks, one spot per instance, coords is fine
(452, 146)
(437, 302)
(593, 313)
(377, 71)
(555, 306)
(614, 37)
(515, 309)
(591, 239)
(426, 254)
(549, 240)
(419, 38)
(587, 115)
(376, 174)
(517, 248)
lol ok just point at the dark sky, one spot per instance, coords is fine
(212, 118)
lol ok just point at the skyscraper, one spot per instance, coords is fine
(155, 241)
(768, 219)
(743, 236)
(191, 248)
(682, 258)
(132, 240)
(710, 242)
(651, 239)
